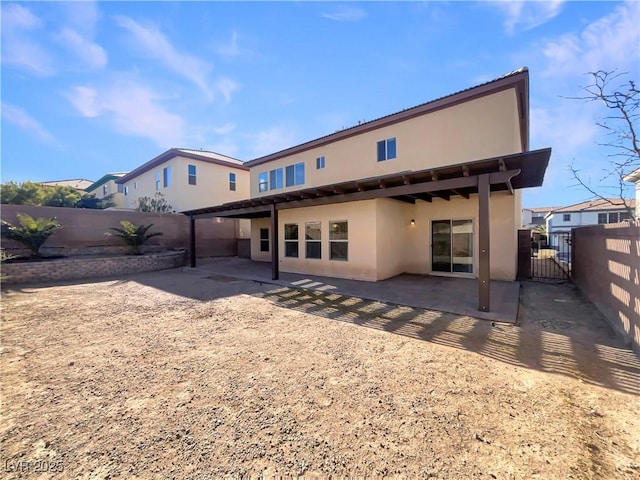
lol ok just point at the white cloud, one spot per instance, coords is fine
(563, 128)
(16, 16)
(226, 87)
(224, 129)
(157, 45)
(23, 120)
(17, 49)
(527, 15)
(133, 109)
(92, 54)
(82, 16)
(271, 140)
(608, 43)
(230, 49)
(346, 14)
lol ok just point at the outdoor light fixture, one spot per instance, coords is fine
(412, 222)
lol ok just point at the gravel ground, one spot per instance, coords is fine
(171, 375)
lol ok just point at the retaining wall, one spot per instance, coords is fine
(88, 267)
(606, 268)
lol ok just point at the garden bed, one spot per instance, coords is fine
(73, 268)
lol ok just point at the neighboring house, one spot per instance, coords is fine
(77, 183)
(634, 177)
(534, 217)
(592, 212)
(187, 179)
(106, 186)
(433, 189)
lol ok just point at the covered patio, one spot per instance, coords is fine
(480, 177)
(444, 294)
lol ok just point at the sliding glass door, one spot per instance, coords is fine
(452, 246)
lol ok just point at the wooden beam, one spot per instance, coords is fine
(405, 198)
(425, 187)
(484, 243)
(462, 194)
(192, 240)
(275, 267)
(423, 196)
(442, 195)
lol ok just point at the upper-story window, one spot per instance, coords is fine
(166, 177)
(320, 162)
(135, 185)
(386, 149)
(157, 180)
(126, 190)
(613, 217)
(191, 171)
(232, 182)
(602, 218)
(120, 187)
(263, 182)
(566, 217)
(105, 190)
(275, 179)
(295, 174)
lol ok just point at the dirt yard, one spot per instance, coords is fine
(170, 375)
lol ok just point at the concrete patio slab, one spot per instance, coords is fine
(445, 294)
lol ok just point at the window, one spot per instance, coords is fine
(126, 190)
(312, 236)
(291, 240)
(157, 180)
(135, 185)
(624, 216)
(263, 182)
(602, 218)
(120, 187)
(613, 217)
(264, 239)
(386, 149)
(104, 190)
(339, 240)
(166, 177)
(275, 179)
(191, 171)
(566, 217)
(295, 174)
(232, 182)
(320, 162)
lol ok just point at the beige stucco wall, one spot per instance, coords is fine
(111, 189)
(212, 185)
(481, 128)
(382, 243)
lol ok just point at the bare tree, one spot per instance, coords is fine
(621, 129)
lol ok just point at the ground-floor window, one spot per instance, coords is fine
(291, 240)
(339, 240)
(264, 239)
(313, 240)
(452, 246)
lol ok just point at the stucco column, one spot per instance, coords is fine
(484, 243)
(192, 240)
(275, 267)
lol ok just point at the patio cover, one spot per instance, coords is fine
(508, 172)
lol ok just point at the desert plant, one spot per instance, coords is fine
(155, 204)
(31, 232)
(134, 235)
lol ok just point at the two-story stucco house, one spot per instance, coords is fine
(634, 177)
(433, 189)
(187, 179)
(106, 186)
(592, 212)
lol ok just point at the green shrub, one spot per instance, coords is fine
(31, 232)
(133, 235)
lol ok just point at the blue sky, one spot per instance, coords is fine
(90, 87)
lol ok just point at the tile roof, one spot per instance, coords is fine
(597, 205)
(205, 153)
(542, 209)
(78, 183)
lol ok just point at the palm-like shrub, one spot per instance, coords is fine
(134, 235)
(31, 232)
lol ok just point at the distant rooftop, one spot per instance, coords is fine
(597, 205)
(78, 183)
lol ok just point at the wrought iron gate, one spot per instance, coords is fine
(544, 256)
